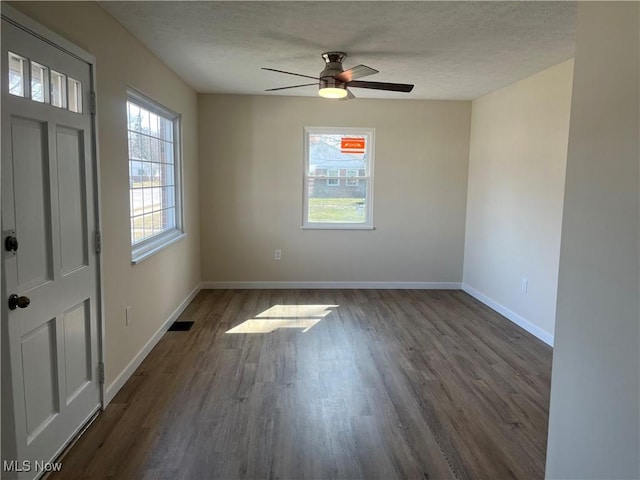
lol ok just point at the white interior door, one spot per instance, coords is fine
(50, 342)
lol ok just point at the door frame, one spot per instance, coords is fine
(29, 25)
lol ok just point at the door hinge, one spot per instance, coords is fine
(98, 243)
(101, 372)
(92, 103)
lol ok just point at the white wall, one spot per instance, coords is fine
(594, 423)
(251, 168)
(157, 286)
(517, 162)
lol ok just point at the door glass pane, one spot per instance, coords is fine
(75, 95)
(17, 75)
(39, 80)
(58, 89)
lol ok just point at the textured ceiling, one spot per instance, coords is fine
(449, 50)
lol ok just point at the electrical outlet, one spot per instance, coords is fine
(525, 285)
(277, 255)
(127, 316)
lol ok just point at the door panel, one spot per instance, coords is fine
(71, 188)
(50, 374)
(40, 377)
(77, 343)
(31, 173)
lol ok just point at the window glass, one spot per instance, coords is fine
(153, 174)
(338, 178)
(75, 95)
(39, 82)
(17, 75)
(58, 89)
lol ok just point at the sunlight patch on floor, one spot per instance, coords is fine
(284, 316)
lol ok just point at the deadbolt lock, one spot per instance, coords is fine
(10, 243)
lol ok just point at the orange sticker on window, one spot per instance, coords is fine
(352, 145)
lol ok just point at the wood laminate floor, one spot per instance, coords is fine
(382, 384)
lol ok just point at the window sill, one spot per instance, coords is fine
(142, 253)
(337, 226)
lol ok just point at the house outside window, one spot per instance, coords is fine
(338, 178)
(332, 181)
(155, 196)
(351, 180)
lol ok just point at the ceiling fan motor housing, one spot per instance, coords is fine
(333, 67)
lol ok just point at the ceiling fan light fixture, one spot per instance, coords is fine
(331, 88)
(332, 92)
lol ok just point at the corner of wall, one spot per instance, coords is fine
(523, 323)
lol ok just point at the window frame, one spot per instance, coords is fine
(149, 246)
(368, 177)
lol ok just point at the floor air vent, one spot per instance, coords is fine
(180, 326)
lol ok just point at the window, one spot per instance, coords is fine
(45, 85)
(330, 155)
(17, 75)
(75, 95)
(39, 81)
(154, 175)
(58, 89)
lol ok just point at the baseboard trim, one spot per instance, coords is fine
(119, 382)
(514, 317)
(332, 285)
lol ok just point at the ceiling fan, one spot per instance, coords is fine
(334, 81)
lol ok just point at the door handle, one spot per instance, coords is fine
(18, 302)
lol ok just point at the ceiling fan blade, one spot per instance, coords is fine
(292, 86)
(358, 71)
(349, 96)
(289, 73)
(392, 87)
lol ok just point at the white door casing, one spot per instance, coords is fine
(50, 349)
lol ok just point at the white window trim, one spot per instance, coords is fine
(143, 250)
(155, 244)
(368, 223)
